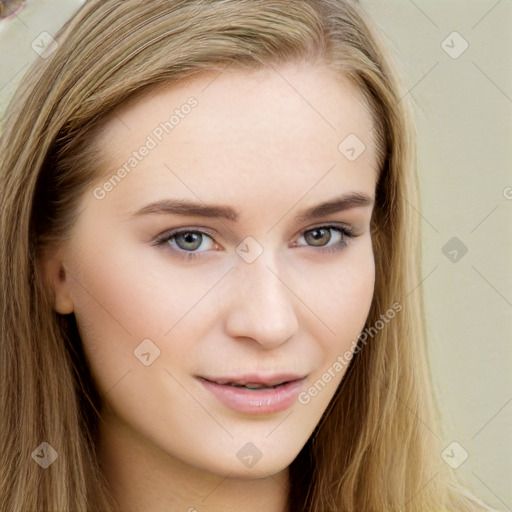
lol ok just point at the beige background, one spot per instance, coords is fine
(464, 121)
(463, 104)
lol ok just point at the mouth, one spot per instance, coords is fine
(255, 394)
(255, 382)
(251, 385)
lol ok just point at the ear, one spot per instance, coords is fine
(55, 275)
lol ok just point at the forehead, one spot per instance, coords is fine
(273, 129)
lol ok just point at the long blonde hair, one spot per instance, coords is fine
(376, 447)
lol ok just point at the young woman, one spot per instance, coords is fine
(209, 270)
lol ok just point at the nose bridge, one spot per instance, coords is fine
(261, 306)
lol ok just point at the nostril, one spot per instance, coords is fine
(9, 8)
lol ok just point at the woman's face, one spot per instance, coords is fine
(261, 286)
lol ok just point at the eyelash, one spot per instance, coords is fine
(163, 239)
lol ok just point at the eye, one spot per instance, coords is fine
(190, 243)
(187, 242)
(331, 236)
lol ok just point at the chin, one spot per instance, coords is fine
(234, 468)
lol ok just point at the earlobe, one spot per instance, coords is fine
(56, 276)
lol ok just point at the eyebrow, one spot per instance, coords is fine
(193, 209)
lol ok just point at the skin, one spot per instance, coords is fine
(265, 143)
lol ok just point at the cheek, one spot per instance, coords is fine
(137, 291)
(125, 294)
(345, 291)
(343, 303)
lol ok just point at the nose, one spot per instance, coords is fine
(261, 305)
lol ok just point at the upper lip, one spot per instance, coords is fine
(256, 378)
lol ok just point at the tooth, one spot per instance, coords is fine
(254, 386)
(250, 385)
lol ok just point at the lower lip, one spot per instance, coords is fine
(265, 401)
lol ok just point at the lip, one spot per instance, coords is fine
(264, 401)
